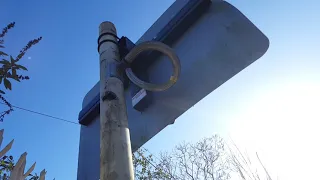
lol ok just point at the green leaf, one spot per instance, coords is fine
(7, 84)
(3, 53)
(16, 78)
(14, 72)
(22, 67)
(12, 60)
(2, 92)
(3, 61)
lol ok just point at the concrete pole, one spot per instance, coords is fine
(115, 145)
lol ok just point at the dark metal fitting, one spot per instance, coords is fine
(107, 40)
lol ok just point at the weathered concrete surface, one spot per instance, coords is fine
(115, 147)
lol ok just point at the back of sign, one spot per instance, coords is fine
(220, 44)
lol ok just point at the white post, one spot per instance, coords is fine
(115, 145)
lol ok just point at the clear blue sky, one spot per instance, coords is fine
(271, 106)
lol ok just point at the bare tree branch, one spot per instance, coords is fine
(189, 161)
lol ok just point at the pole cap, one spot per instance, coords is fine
(107, 27)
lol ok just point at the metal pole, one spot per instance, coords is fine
(115, 145)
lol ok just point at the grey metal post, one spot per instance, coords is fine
(115, 146)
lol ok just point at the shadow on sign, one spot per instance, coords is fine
(220, 44)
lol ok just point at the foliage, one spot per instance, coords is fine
(6, 166)
(210, 158)
(10, 69)
(245, 167)
(205, 159)
(145, 167)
